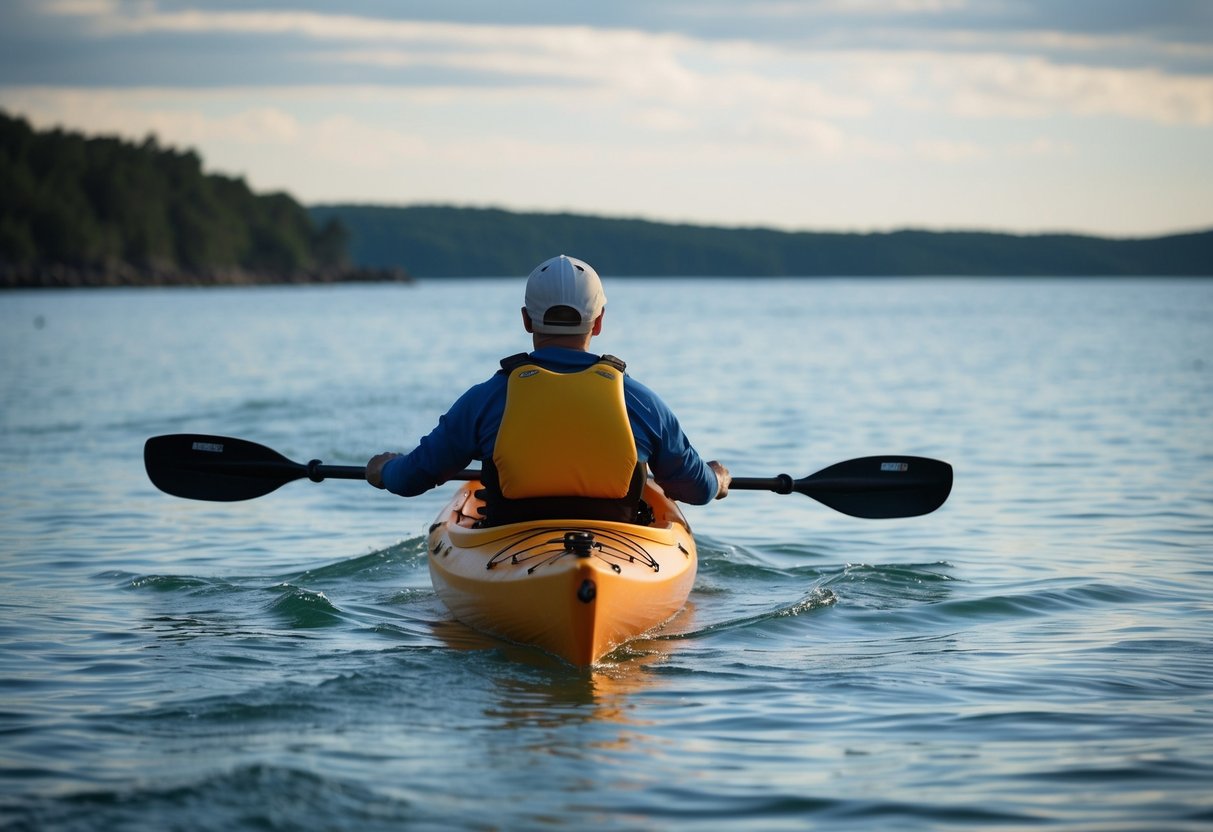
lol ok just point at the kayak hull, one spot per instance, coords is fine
(575, 588)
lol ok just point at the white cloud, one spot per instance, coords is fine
(346, 141)
(882, 7)
(1000, 86)
(660, 120)
(1068, 45)
(944, 150)
(80, 8)
(994, 86)
(1041, 146)
(684, 73)
(809, 134)
(800, 9)
(136, 113)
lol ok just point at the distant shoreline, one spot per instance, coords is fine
(437, 241)
(81, 212)
(370, 277)
(62, 276)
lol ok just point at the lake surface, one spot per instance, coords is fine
(1037, 653)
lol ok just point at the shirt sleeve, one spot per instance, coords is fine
(457, 439)
(675, 464)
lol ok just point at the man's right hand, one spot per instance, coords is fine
(374, 468)
(723, 479)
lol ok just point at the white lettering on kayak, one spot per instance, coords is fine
(894, 466)
(210, 447)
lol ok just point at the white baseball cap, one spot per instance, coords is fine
(564, 281)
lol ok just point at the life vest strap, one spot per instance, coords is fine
(513, 362)
(499, 511)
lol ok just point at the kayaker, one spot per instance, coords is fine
(560, 432)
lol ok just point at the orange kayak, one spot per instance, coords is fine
(575, 588)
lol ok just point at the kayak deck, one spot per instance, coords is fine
(575, 588)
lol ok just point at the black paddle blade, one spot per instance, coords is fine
(880, 487)
(217, 468)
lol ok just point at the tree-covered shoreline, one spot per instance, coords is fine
(443, 241)
(102, 211)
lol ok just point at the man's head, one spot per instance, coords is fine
(564, 297)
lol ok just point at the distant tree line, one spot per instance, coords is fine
(102, 211)
(436, 241)
(87, 211)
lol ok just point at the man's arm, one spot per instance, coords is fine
(449, 447)
(674, 462)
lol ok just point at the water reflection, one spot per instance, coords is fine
(533, 689)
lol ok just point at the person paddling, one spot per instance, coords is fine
(560, 432)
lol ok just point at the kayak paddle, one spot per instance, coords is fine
(874, 487)
(224, 469)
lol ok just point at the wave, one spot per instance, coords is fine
(303, 608)
(176, 583)
(250, 796)
(383, 564)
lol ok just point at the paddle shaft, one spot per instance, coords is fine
(318, 472)
(314, 470)
(781, 484)
(784, 484)
(358, 472)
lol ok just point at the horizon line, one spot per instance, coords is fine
(774, 228)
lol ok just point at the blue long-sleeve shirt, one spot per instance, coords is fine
(468, 431)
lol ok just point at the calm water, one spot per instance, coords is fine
(1038, 653)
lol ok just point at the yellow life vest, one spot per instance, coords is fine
(565, 434)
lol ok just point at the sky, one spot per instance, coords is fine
(1089, 116)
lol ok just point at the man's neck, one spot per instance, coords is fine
(568, 342)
